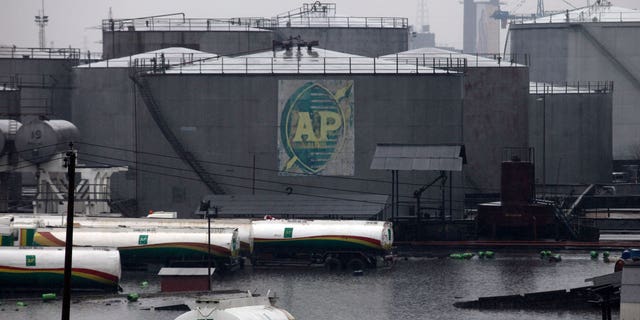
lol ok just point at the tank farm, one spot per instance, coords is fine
(315, 141)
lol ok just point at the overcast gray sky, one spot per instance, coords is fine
(75, 22)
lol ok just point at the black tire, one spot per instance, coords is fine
(356, 264)
(332, 263)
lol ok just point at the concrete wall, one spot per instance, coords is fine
(369, 42)
(44, 83)
(590, 52)
(226, 120)
(577, 148)
(495, 118)
(126, 43)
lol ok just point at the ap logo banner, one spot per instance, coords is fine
(315, 127)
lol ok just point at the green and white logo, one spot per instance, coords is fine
(143, 238)
(31, 260)
(316, 134)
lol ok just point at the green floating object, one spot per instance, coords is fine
(21, 304)
(555, 258)
(489, 254)
(144, 284)
(455, 256)
(605, 254)
(467, 255)
(593, 254)
(481, 254)
(48, 296)
(133, 297)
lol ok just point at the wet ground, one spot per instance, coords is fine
(416, 288)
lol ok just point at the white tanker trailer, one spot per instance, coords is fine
(245, 236)
(352, 244)
(177, 247)
(43, 269)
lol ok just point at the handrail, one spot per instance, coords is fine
(599, 17)
(208, 63)
(320, 65)
(473, 60)
(578, 87)
(39, 53)
(249, 23)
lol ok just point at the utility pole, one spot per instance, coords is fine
(42, 20)
(70, 163)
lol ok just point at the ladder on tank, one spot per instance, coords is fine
(177, 146)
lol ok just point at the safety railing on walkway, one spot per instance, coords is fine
(578, 87)
(39, 53)
(580, 16)
(473, 60)
(301, 65)
(249, 23)
(159, 59)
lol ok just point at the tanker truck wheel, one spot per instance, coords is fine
(356, 264)
(332, 263)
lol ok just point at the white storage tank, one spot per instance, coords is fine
(39, 140)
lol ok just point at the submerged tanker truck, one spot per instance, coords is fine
(336, 244)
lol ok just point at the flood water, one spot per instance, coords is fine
(416, 288)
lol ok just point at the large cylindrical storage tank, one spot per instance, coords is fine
(247, 116)
(105, 105)
(597, 43)
(571, 132)
(39, 140)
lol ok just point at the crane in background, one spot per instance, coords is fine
(504, 16)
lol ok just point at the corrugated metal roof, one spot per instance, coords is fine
(185, 271)
(344, 205)
(418, 157)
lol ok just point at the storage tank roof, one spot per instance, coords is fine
(303, 61)
(594, 13)
(172, 56)
(427, 55)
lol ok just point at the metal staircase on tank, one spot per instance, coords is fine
(178, 147)
(626, 71)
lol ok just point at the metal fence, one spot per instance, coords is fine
(302, 65)
(473, 60)
(39, 53)
(248, 23)
(577, 87)
(581, 16)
